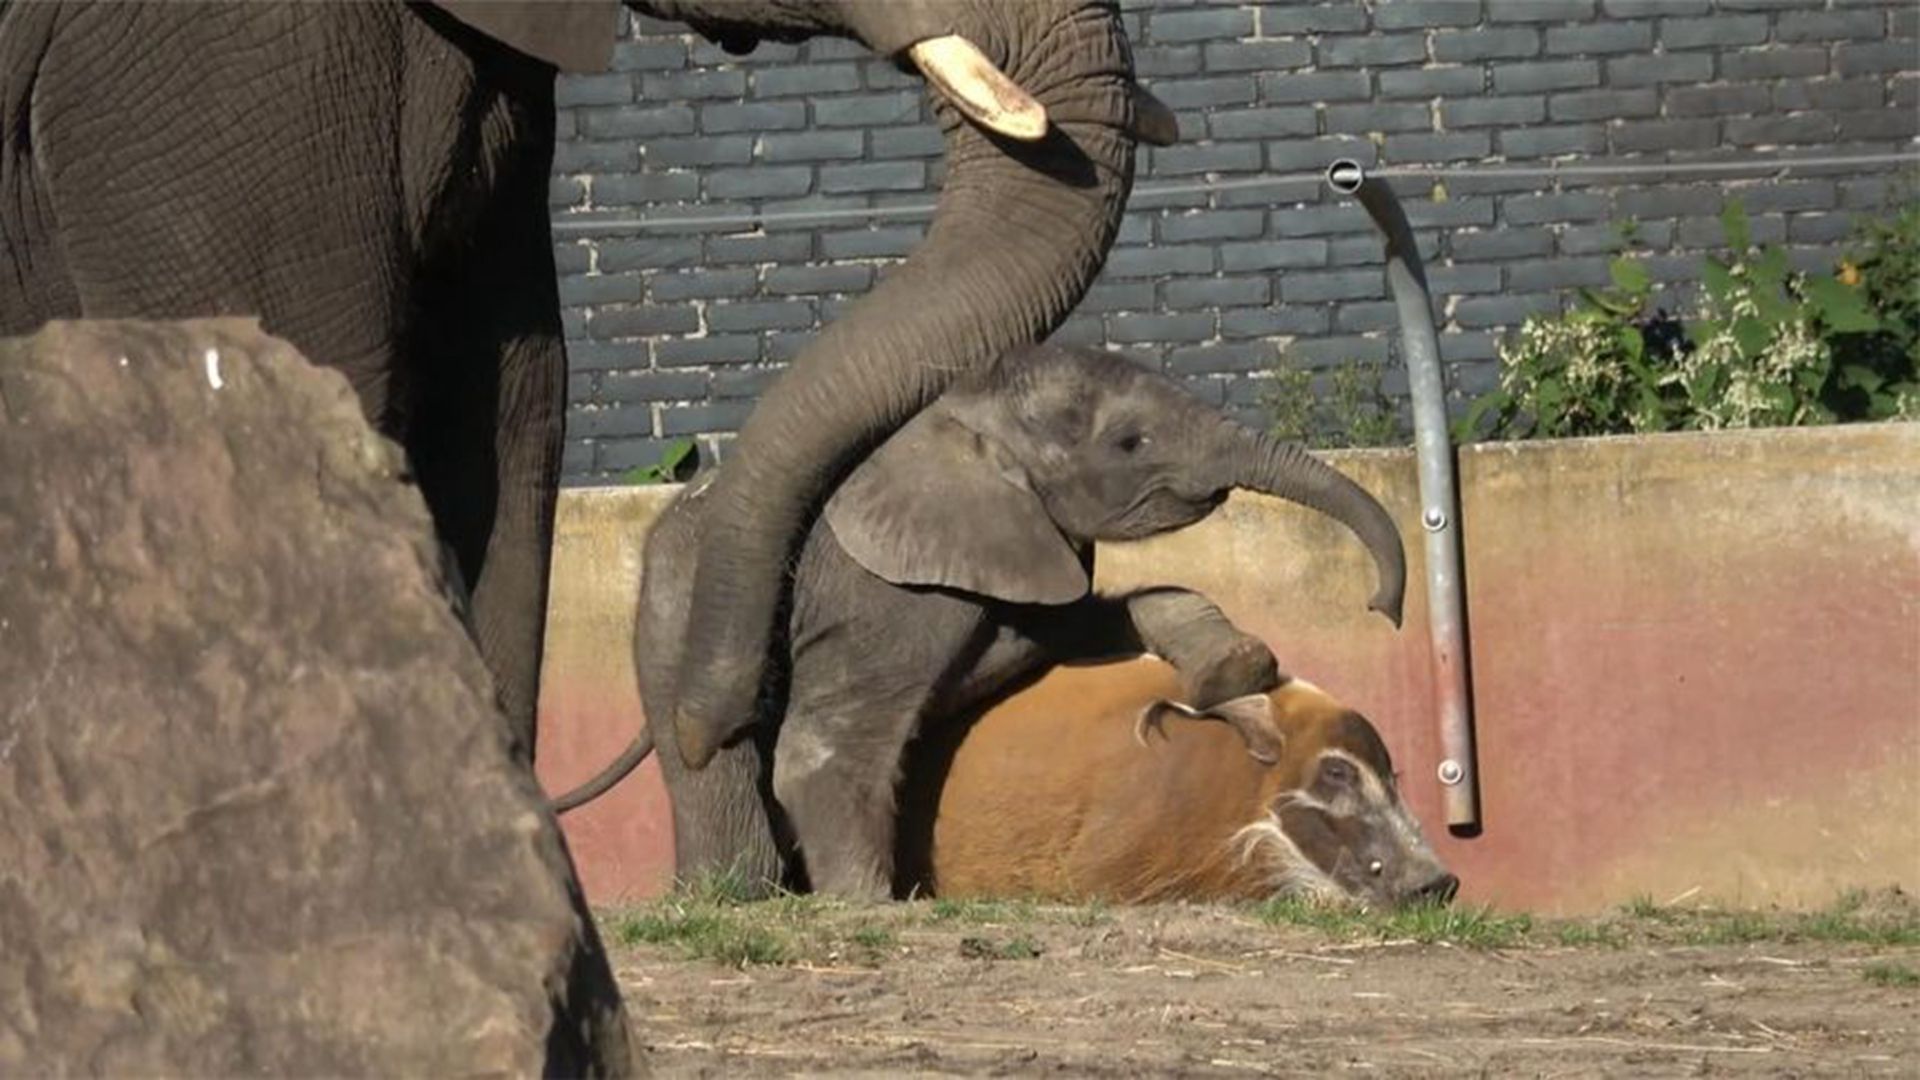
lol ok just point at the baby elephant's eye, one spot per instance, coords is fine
(1338, 770)
(1130, 442)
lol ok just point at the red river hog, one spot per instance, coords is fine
(1095, 783)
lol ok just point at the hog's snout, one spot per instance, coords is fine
(1439, 889)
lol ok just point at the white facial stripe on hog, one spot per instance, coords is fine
(1286, 869)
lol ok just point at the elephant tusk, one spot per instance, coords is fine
(1153, 123)
(979, 89)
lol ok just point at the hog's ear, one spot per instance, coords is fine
(942, 504)
(572, 35)
(1251, 716)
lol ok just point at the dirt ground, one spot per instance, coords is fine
(1008, 989)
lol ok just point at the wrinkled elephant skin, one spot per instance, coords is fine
(1023, 228)
(370, 180)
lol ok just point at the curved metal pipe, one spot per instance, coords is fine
(1439, 493)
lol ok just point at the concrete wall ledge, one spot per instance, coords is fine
(1696, 659)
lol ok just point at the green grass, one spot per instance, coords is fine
(984, 912)
(1332, 919)
(704, 935)
(1466, 926)
(716, 919)
(1092, 913)
(1730, 928)
(725, 887)
(1018, 947)
(1850, 919)
(722, 918)
(1643, 907)
(1890, 973)
(1585, 935)
(712, 920)
(1475, 928)
(1009, 911)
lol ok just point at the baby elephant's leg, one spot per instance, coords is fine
(1217, 660)
(835, 774)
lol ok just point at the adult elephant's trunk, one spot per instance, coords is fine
(1021, 230)
(1262, 463)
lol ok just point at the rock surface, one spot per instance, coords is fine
(257, 809)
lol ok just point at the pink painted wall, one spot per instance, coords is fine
(1696, 660)
(622, 842)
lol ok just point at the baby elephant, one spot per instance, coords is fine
(1093, 784)
(954, 562)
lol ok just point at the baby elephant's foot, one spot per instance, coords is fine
(1245, 666)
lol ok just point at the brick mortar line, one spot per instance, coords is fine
(1585, 168)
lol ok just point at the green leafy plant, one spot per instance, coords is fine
(1763, 354)
(1877, 371)
(1288, 399)
(1355, 411)
(1765, 346)
(676, 460)
(1584, 373)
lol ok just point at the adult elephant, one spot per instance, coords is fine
(370, 179)
(1022, 230)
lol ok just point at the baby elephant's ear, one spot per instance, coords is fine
(942, 504)
(1251, 716)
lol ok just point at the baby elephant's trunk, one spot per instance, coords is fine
(1265, 464)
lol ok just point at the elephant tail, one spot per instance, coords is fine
(635, 753)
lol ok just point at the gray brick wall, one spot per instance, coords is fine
(673, 330)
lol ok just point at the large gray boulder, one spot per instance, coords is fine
(257, 807)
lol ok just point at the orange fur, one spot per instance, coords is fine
(1050, 794)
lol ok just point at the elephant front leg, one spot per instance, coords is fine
(510, 593)
(1217, 660)
(836, 776)
(486, 420)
